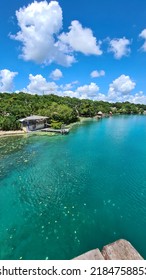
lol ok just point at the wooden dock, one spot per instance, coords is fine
(118, 250)
(61, 131)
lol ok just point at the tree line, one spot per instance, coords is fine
(59, 110)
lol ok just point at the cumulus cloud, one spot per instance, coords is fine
(39, 85)
(138, 98)
(40, 26)
(6, 80)
(97, 74)
(123, 84)
(119, 47)
(80, 39)
(56, 74)
(143, 36)
(87, 91)
(39, 23)
(120, 88)
(68, 86)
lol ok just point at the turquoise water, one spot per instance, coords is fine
(64, 195)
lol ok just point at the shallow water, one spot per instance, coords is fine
(64, 195)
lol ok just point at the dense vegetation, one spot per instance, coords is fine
(59, 109)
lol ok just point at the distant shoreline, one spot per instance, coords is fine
(82, 119)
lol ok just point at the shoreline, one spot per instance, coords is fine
(21, 132)
(4, 133)
(82, 119)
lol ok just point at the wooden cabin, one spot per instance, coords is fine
(33, 123)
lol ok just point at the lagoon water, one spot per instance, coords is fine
(64, 195)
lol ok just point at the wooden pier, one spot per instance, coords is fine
(61, 131)
(118, 250)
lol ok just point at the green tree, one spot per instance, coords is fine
(10, 123)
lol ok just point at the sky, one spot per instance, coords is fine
(78, 48)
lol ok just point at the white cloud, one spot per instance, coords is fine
(6, 80)
(96, 74)
(40, 26)
(56, 74)
(39, 23)
(87, 91)
(123, 84)
(39, 85)
(143, 36)
(120, 88)
(68, 86)
(80, 39)
(138, 98)
(120, 47)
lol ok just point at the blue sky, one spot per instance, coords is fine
(86, 49)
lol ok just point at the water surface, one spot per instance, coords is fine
(64, 195)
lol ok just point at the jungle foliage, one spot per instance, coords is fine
(60, 110)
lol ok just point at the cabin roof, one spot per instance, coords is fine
(32, 118)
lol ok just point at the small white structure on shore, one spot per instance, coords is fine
(33, 123)
(100, 114)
